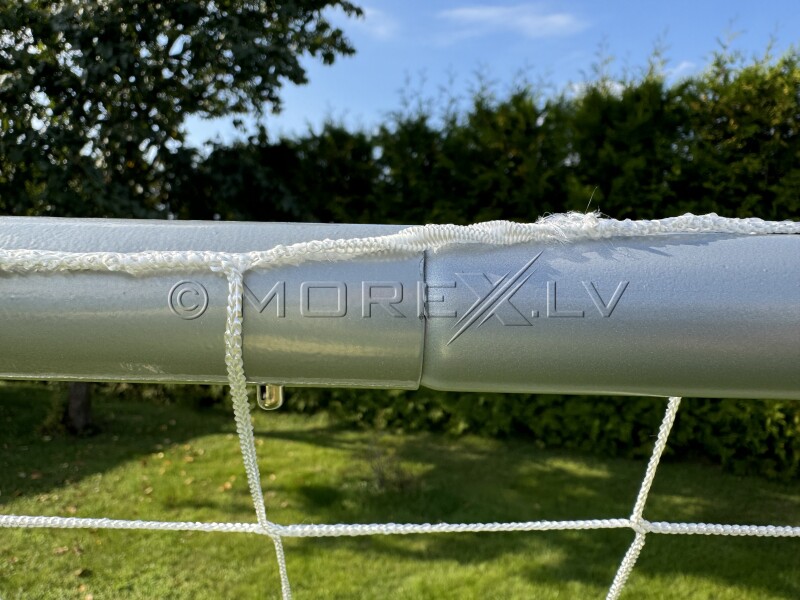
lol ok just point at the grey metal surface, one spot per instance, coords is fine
(110, 326)
(696, 315)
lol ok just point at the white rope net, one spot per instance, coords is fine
(563, 228)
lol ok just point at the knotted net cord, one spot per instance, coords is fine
(556, 228)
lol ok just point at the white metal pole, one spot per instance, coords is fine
(710, 314)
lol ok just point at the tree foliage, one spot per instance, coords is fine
(93, 93)
(723, 141)
(743, 138)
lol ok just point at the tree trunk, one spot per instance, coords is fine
(78, 413)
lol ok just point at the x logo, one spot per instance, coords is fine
(494, 293)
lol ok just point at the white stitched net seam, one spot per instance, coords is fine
(563, 228)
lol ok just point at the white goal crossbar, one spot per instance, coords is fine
(233, 266)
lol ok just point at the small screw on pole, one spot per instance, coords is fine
(269, 396)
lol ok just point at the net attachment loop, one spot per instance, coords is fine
(269, 396)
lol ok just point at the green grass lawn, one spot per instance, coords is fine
(176, 463)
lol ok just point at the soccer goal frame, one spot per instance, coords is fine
(496, 306)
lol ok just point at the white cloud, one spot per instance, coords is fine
(528, 20)
(684, 68)
(379, 24)
(375, 23)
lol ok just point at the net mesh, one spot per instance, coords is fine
(564, 228)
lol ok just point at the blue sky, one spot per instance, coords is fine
(431, 46)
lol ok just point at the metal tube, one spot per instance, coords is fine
(710, 315)
(693, 315)
(303, 325)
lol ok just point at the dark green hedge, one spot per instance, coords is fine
(726, 140)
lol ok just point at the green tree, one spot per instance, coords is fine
(325, 176)
(242, 182)
(622, 146)
(93, 94)
(741, 154)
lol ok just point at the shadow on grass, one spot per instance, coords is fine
(471, 480)
(32, 464)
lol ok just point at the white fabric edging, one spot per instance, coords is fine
(556, 228)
